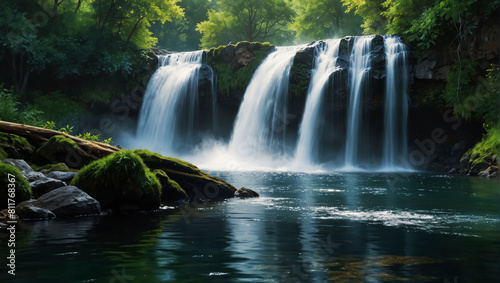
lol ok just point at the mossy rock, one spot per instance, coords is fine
(233, 78)
(154, 161)
(56, 149)
(195, 182)
(14, 146)
(170, 190)
(3, 154)
(22, 187)
(121, 178)
(53, 167)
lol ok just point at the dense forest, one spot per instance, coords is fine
(65, 60)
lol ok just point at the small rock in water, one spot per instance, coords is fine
(245, 193)
(33, 213)
(490, 172)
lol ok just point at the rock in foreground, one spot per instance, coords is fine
(68, 201)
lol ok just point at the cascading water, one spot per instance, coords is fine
(169, 113)
(260, 123)
(310, 130)
(341, 126)
(396, 103)
(359, 76)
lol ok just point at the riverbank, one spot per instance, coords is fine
(46, 173)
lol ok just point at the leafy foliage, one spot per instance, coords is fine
(183, 29)
(371, 12)
(242, 20)
(70, 55)
(323, 19)
(489, 144)
(50, 125)
(470, 95)
(11, 110)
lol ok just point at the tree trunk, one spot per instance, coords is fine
(134, 29)
(78, 6)
(41, 135)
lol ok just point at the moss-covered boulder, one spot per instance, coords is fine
(48, 168)
(121, 178)
(235, 65)
(12, 186)
(56, 149)
(3, 154)
(14, 146)
(170, 190)
(196, 183)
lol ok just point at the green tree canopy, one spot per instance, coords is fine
(243, 20)
(180, 34)
(371, 12)
(324, 19)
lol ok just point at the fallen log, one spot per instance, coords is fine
(41, 135)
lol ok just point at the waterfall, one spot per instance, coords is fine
(354, 117)
(396, 103)
(169, 114)
(325, 59)
(359, 75)
(260, 123)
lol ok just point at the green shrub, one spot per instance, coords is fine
(11, 110)
(488, 146)
(120, 178)
(471, 95)
(22, 187)
(59, 107)
(51, 125)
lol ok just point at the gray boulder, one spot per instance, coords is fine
(43, 186)
(28, 172)
(33, 212)
(63, 176)
(19, 164)
(69, 201)
(34, 176)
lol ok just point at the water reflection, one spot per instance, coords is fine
(303, 228)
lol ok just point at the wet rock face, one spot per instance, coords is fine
(68, 201)
(433, 65)
(43, 186)
(34, 213)
(242, 57)
(378, 61)
(245, 193)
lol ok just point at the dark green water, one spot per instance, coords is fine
(348, 227)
